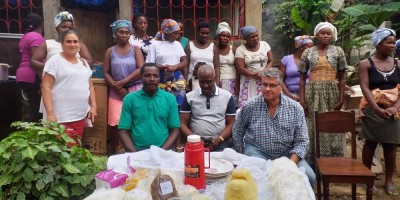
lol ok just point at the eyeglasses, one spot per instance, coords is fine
(270, 85)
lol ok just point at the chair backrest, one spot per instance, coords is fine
(335, 122)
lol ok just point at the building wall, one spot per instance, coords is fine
(279, 43)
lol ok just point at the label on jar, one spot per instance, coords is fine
(192, 171)
(166, 188)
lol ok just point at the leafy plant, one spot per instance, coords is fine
(37, 164)
(283, 20)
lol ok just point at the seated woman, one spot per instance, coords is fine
(169, 56)
(67, 91)
(289, 67)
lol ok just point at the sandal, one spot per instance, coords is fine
(391, 190)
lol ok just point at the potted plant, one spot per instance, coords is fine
(37, 164)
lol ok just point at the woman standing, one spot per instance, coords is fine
(140, 38)
(322, 93)
(67, 91)
(27, 79)
(251, 58)
(201, 50)
(169, 56)
(63, 22)
(397, 50)
(381, 71)
(289, 67)
(121, 70)
(228, 75)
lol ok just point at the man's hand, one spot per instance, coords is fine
(296, 159)
(215, 142)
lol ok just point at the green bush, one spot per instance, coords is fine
(37, 164)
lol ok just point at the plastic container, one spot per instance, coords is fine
(194, 162)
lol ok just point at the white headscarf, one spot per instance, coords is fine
(223, 26)
(381, 34)
(322, 25)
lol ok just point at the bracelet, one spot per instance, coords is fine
(222, 139)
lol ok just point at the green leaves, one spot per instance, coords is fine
(37, 164)
(299, 21)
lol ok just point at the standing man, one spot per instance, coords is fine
(209, 111)
(272, 125)
(150, 115)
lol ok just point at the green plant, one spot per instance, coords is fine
(283, 20)
(37, 164)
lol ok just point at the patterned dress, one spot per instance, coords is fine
(322, 94)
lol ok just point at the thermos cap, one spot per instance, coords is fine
(193, 138)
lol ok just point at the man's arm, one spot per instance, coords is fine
(184, 116)
(300, 140)
(239, 129)
(170, 142)
(126, 139)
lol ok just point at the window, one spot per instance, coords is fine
(191, 12)
(14, 12)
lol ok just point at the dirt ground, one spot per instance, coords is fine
(343, 191)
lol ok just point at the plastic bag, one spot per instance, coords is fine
(163, 188)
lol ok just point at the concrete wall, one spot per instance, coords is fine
(254, 14)
(279, 43)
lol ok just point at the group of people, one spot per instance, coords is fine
(151, 103)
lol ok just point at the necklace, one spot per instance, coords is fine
(385, 74)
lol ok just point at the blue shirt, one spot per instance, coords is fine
(284, 133)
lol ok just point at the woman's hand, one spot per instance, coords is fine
(118, 85)
(161, 67)
(391, 111)
(92, 113)
(383, 113)
(170, 68)
(305, 107)
(338, 106)
(123, 92)
(51, 117)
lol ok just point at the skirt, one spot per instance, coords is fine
(115, 104)
(322, 96)
(248, 89)
(377, 129)
(229, 85)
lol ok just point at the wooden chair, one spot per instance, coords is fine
(340, 169)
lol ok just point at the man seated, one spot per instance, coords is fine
(208, 111)
(272, 125)
(150, 115)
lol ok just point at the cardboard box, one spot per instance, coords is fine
(96, 138)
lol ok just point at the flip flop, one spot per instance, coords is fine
(391, 190)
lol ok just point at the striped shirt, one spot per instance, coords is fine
(284, 133)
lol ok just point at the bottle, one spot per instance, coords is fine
(194, 162)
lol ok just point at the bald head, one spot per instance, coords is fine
(206, 70)
(206, 75)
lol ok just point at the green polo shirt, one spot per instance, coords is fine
(149, 118)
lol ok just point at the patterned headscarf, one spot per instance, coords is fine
(63, 16)
(245, 31)
(397, 48)
(302, 40)
(121, 24)
(322, 25)
(167, 26)
(381, 34)
(223, 26)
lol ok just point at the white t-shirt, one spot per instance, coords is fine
(70, 92)
(165, 52)
(200, 55)
(255, 61)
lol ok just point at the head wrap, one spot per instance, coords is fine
(223, 26)
(63, 16)
(322, 25)
(245, 31)
(121, 24)
(302, 40)
(381, 34)
(397, 48)
(167, 26)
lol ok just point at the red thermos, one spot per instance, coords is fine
(194, 162)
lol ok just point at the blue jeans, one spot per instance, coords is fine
(251, 150)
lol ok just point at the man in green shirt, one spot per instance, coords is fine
(149, 116)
